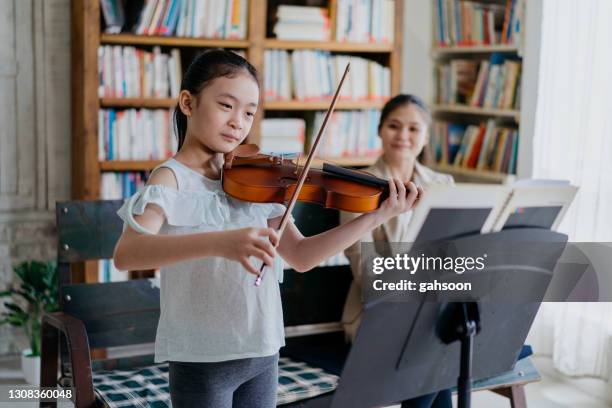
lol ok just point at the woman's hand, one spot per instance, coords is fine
(401, 198)
(239, 245)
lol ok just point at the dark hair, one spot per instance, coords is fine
(403, 100)
(205, 67)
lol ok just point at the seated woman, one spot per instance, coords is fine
(403, 128)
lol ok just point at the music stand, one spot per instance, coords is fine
(398, 354)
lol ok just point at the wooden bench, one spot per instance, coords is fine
(105, 315)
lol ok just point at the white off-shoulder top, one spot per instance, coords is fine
(210, 308)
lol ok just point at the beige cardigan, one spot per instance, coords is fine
(393, 230)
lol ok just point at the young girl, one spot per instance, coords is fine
(220, 333)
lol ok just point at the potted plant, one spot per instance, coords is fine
(36, 295)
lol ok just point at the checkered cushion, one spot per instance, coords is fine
(148, 386)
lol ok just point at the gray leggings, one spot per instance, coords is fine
(248, 382)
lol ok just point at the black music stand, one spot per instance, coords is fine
(398, 353)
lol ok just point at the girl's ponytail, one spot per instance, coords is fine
(210, 64)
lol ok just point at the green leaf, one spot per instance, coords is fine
(6, 292)
(17, 321)
(25, 295)
(39, 287)
(13, 307)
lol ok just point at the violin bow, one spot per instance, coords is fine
(305, 169)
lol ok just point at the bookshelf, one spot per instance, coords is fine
(465, 36)
(475, 49)
(471, 110)
(87, 36)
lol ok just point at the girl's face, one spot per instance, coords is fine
(223, 114)
(404, 133)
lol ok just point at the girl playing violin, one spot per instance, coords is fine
(220, 333)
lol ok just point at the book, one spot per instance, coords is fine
(225, 19)
(485, 147)
(314, 75)
(114, 15)
(128, 72)
(363, 21)
(468, 23)
(283, 135)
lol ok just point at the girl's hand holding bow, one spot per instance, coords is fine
(241, 244)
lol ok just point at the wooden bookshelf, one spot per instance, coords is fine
(328, 46)
(131, 39)
(87, 37)
(474, 174)
(147, 165)
(129, 165)
(152, 103)
(458, 113)
(321, 105)
(349, 161)
(477, 49)
(475, 110)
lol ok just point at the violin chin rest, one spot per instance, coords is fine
(246, 150)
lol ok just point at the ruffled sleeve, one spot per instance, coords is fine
(180, 208)
(274, 210)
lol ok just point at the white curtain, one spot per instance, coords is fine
(573, 140)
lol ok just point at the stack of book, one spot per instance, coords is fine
(302, 23)
(282, 136)
(131, 134)
(114, 15)
(348, 133)
(497, 84)
(225, 19)
(365, 21)
(468, 23)
(107, 272)
(115, 186)
(314, 75)
(456, 81)
(485, 147)
(127, 72)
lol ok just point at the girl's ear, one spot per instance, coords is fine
(186, 102)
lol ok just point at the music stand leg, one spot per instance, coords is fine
(461, 321)
(464, 382)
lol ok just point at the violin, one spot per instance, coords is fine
(273, 179)
(261, 178)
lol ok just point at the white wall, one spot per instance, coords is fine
(34, 136)
(529, 87)
(417, 65)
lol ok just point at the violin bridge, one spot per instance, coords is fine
(297, 164)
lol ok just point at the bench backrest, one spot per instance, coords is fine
(114, 313)
(125, 313)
